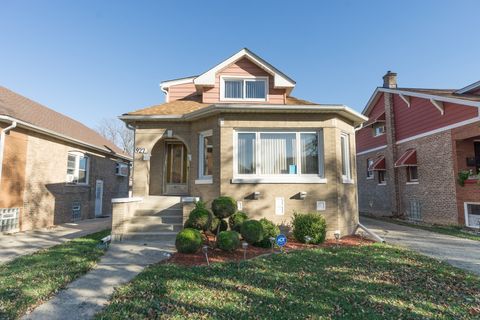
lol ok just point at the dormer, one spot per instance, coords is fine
(473, 88)
(243, 78)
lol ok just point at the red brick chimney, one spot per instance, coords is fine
(390, 80)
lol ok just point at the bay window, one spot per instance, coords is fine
(244, 88)
(77, 168)
(279, 156)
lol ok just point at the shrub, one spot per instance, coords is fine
(188, 224)
(214, 225)
(228, 240)
(224, 207)
(252, 231)
(188, 241)
(309, 224)
(235, 221)
(200, 219)
(269, 230)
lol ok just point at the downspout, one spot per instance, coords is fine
(2, 144)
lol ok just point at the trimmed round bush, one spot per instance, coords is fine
(188, 241)
(270, 229)
(214, 225)
(224, 207)
(188, 224)
(235, 221)
(228, 240)
(252, 231)
(200, 219)
(309, 224)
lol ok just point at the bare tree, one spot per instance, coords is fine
(115, 131)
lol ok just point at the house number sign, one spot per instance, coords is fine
(140, 150)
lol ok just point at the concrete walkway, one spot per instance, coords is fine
(461, 253)
(21, 243)
(87, 295)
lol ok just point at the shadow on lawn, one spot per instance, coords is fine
(370, 282)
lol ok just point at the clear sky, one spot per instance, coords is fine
(98, 59)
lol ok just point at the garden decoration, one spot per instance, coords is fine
(337, 237)
(281, 241)
(205, 252)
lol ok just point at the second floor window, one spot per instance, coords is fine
(244, 89)
(77, 168)
(378, 129)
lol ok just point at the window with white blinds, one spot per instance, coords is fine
(286, 154)
(244, 89)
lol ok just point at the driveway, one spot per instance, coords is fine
(461, 253)
(21, 243)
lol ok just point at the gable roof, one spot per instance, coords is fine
(471, 87)
(280, 80)
(34, 115)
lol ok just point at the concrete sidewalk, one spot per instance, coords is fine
(459, 252)
(86, 296)
(22, 243)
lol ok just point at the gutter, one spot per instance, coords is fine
(61, 137)
(2, 144)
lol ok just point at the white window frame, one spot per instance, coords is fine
(465, 211)
(370, 173)
(298, 177)
(78, 155)
(409, 179)
(203, 179)
(244, 78)
(347, 177)
(384, 182)
(377, 125)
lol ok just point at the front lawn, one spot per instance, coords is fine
(31, 279)
(456, 231)
(364, 282)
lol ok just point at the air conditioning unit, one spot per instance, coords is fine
(70, 178)
(121, 169)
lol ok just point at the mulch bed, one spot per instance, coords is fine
(216, 255)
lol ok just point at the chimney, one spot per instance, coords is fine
(390, 80)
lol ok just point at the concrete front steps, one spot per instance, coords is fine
(158, 218)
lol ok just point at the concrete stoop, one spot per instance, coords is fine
(157, 218)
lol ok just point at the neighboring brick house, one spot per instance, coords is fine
(53, 169)
(236, 131)
(412, 149)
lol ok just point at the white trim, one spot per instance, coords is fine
(201, 154)
(79, 155)
(62, 137)
(470, 87)
(428, 133)
(245, 79)
(371, 150)
(174, 82)
(411, 182)
(405, 99)
(204, 181)
(280, 80)
(347, 177)
(347, 181)
(382, 184)
(125, 200)
(465, 211)
(288, 179)
(439, 105)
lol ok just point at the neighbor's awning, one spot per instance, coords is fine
(408, 158)
(378, 164)
(378, 118)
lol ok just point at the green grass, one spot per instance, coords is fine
(456, 231)
(370, 282)
(31, 279)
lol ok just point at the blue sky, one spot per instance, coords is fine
(98, 59)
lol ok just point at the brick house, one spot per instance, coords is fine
(53, 169)
(235, 130)
(412, 150)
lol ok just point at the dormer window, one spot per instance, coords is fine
(248, 89)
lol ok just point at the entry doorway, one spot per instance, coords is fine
(98, 198)
(176, 168)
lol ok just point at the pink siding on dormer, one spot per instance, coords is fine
(423, 116)
(181, 91)
(364, 137)
(243, 67)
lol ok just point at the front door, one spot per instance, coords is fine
(175, 168)
(98, 198)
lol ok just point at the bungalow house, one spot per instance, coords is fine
(418, 155)
(53, 169)
(236, 130)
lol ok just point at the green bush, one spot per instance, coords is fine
(200, 219)
(228, 240)
(224, 207)
(188, 224)
(214, 225)
(188, 241)
(252, 231)
(309, 224)
(235, 221)
(269, 230)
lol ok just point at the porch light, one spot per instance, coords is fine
(205, 252)
(303, 195)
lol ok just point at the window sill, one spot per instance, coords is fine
(412, 182)
(285, 180)
(347, 180)
(369, 178)
(382, 184)
(204, 181)
(77, 184)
